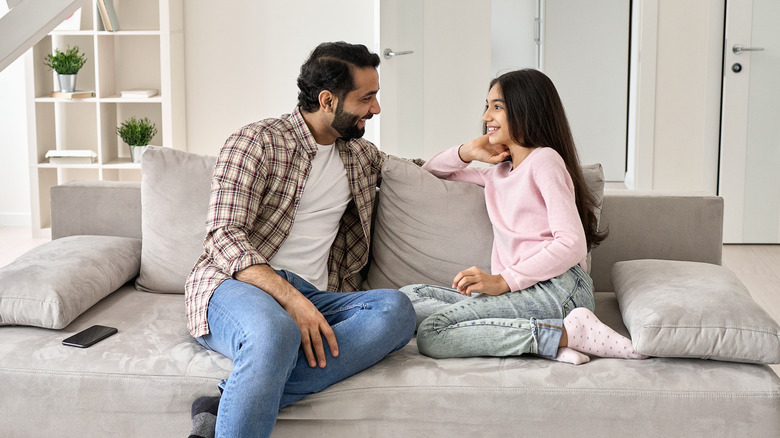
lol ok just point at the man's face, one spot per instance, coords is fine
(358, 105)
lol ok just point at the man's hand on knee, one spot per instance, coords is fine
(313, 327)
(311, 322)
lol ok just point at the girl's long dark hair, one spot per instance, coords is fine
(537, 119)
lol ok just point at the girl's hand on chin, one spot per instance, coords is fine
(480, 149)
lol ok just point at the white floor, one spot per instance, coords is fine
(758, 266)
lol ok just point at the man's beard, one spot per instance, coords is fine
(346, 123)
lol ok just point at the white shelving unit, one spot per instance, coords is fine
(146, 53)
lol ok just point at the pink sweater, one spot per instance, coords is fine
(537, 232)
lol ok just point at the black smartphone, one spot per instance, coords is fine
(90, 336)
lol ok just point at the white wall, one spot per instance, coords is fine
(457, 60)
(257, 48)
(14, 170)
(243, 57)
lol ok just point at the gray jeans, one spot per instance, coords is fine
(527, 321)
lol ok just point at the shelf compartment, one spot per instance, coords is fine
(75, 126)
(134, 15)
(85, 79)
(122, 163)
(124, 174)
(114, 150)
(68, 174)
(128, 62)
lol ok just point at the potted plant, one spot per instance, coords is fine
(137, 133)
(66, 64)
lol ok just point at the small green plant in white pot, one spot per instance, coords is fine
(137, 133)
(67, 64)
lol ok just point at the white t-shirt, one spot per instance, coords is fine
(324, 200)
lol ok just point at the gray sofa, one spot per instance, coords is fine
(142, 381)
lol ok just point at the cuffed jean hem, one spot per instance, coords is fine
(547, 333)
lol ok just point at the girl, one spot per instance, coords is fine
(538, 298)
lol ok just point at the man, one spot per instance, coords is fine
(289, 218)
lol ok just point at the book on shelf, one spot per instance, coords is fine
(71, 156)
(72, 94)
(108, 15)
(139, 93)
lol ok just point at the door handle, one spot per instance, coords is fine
(739, 48)
(389, 53)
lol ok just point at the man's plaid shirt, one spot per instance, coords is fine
(258, 181)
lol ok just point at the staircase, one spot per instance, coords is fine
(27, 22)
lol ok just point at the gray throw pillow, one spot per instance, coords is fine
(690, 309)
(52, 284)
(175, 191)
(427, 229)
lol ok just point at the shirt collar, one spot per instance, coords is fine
(302, 131)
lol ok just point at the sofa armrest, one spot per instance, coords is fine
(107, 208)
(655, 225)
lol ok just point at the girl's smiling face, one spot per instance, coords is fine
(495, 118)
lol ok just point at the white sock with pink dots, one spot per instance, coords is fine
(586, 334)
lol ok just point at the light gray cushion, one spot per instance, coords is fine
(175, 190)
(690, 309)
(51, 285)
(427, 229)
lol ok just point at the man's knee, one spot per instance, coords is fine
(274, 338)
(397, 313)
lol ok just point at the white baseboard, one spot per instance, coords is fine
(15, 219)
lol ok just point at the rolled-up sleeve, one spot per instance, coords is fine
(236, 192)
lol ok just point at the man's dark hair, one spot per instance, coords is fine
(329, 67)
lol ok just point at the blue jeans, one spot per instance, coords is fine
(511, 324)
(270, 370)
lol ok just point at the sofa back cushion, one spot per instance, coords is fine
(175, 191)
(427, 229)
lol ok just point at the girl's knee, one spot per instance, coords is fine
(411, 289)
(427, 340)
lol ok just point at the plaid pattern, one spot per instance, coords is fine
(258, 181)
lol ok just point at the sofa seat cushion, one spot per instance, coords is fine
(56, 282)
(690, 309)
(415, 395)
(138, 382)
(142, 381)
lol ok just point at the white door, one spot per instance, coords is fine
(749, 179)
(433, 98)
(401, 78)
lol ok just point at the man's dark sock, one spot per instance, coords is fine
(204, 417)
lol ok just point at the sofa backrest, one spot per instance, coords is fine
(103, 208)
(642, 225)
(657, 225)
